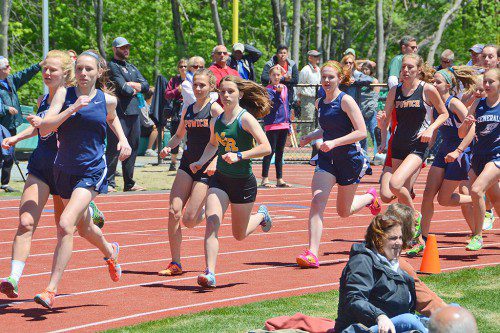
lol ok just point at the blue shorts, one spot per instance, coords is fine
(346, 171)
(67, 183)
(45, 175)
(457, 170)
(479, 162)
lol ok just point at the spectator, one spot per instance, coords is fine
(290, 79)
(242, 62)
(10, 113)
(452, 319)
(219, 66)
(408, 45)
(175, 93)
(306, 96)
(446, 59)
(475, 55)
(194, 63)
(148, 127)
(129, 87)
(374, 291)
(490, 56)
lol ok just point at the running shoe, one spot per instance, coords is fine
(418, 227)
(46, 299)
(374, 205)
(475, 243)
(489, 218)
(207, 279)
(115, 271)
(307, 260)
(97, 215)
(172, 269)
(9, 288)
(267, 223)
(415, 250)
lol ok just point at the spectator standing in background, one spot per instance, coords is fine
(408, 45)
(369, 106)
(446, 60)
(174, 93)
(10, 112)
(219, 66)
(129, 87)
(193, 64)
(290, 79)
(306, 96)
(243, 58)
(475, 55)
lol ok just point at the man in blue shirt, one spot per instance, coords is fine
(243, 58)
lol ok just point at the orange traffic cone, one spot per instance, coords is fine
(430, 261)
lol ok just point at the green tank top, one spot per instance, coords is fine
(233, 138)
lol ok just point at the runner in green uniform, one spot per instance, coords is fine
(232, 137)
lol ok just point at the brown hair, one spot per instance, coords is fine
(406, 215)
(376, 232)
(496, 70)
(66, 65)
(343, 72)
(103, 83)
(426, 72)
(212, 80)
(346, 57)
(465, 75)
(255, 97)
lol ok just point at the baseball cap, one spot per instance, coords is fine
(239, 47)
(478, 48)
(350, 50)
(313, 53)
(120, 41)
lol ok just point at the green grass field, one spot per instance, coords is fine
(475, 289)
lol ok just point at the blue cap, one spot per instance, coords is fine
(120, 41)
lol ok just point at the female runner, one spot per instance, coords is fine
(232, 137)
(340, 159)
(80, 165)
(190, 189)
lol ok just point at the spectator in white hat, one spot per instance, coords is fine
(243, 58)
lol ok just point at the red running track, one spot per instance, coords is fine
(258, 268)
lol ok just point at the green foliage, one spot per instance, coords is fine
(72, 26)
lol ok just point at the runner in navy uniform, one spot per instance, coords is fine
(190, 189)
(451, 163)
(80, 165)
(413, 100)
(484, 121)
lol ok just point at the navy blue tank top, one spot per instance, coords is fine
(335, 124)
(82, 137)
(449, 130)
(487, 129)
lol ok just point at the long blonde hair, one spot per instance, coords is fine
(66, 64)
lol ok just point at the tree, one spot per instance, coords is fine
(296, 31)
(4, 30)
(278, 33)
(379, 15)
(98, 22)
(319, 25)
(216, 20)
(177, 27)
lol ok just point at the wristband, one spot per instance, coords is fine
(240, 157)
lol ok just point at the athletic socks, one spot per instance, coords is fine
(91, 211)
(17, 269)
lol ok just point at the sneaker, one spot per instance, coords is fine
(415, 250)
(307, 260)
(475, 243)
(46, 299)
(489, 218)
(369, 171)
(172, 269)
(418, 228)
(97, 215)
(8, 189)
(111, 189)
(135, 188)
(374, 206)
(172, 167)
(267, 223)
(115, 271)
(207, 279)
(9, 288)
(151, 153)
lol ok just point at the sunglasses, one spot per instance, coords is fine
(412, 47)
(446, 61)
(182, 66)
(349, 63)
(220, 52)
(196, 66)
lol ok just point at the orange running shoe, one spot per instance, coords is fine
(115, 271)
(173, 268)
(46, 299)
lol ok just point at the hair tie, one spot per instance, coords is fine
(447, 76)
(90, 53)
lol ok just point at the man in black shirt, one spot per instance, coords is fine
(129, 86)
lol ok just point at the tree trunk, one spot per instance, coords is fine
(319, 26)
(296, 31)
(284, 23)
(446, 19)
(177, 26)
(98, 23)
(328, 43)
(278, 35)
(379, 17)
(215, 18)
(158, 43)
(4, 31)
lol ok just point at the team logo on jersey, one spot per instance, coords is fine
(196, 122)
(229, 144)
(408, 104)
(489, 128)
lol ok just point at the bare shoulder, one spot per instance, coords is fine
(216, 109)
(110, 100)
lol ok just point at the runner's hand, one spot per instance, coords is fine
(452, 156)
(165, 151)
(124, 149)
(195, 166)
